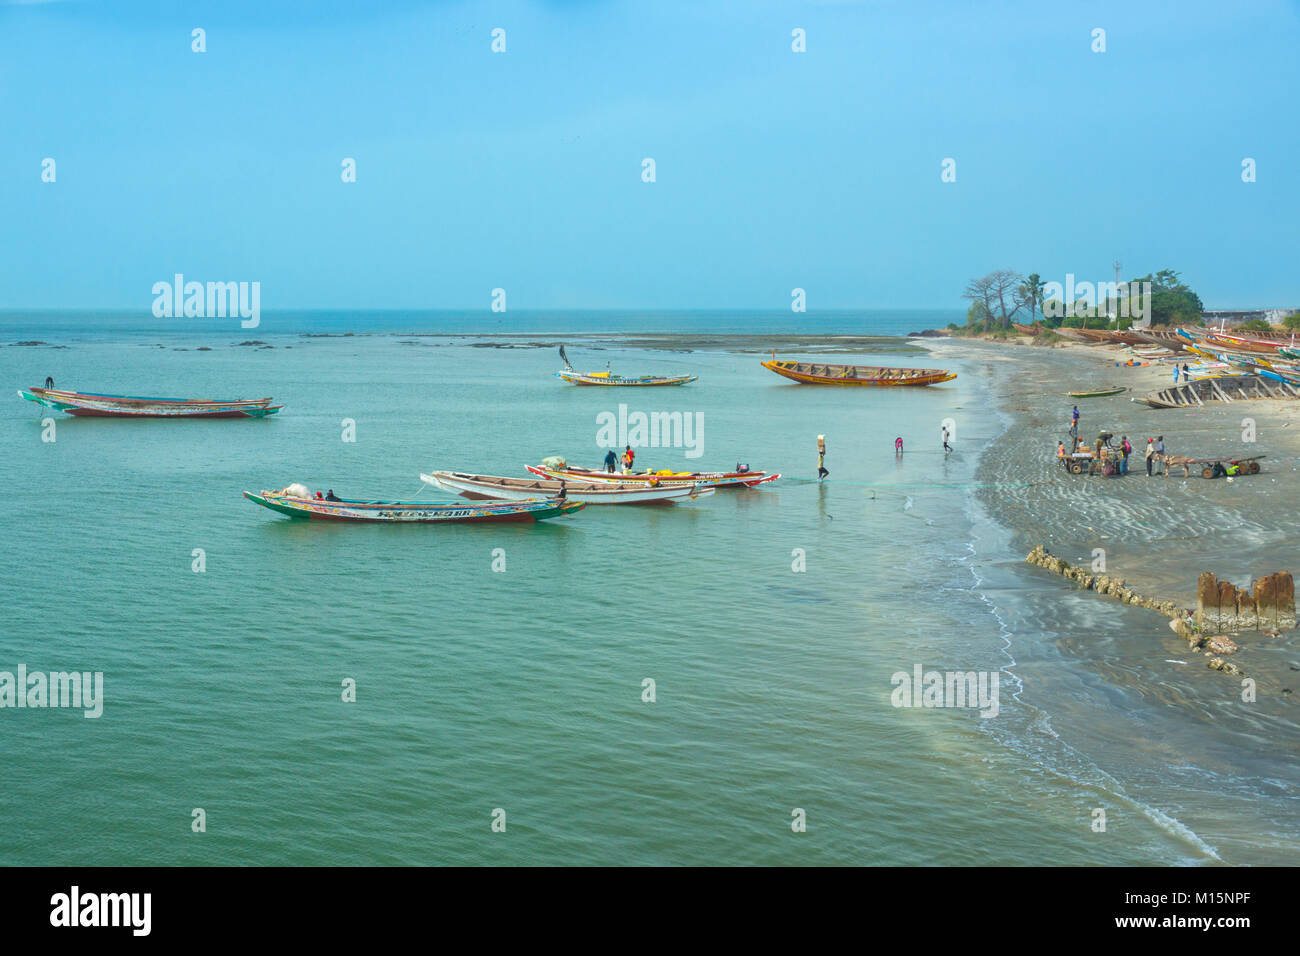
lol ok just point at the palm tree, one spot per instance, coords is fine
(1031, 291)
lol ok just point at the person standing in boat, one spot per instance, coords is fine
(611, 461)
(629, 456)
(821, 457)
(49, 382)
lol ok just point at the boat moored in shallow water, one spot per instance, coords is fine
(588, 492)
(92, 405)
(298, 505)
(608, 378)
(817, 373)
(705, 479)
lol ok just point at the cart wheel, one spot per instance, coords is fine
(1254, 468)
(1207, 472)
(1076, 468)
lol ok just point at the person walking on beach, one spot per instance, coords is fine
(1160, 454)
(1150, 455)
(1125, 450)
(821, 457)
(611, 460)
(1074, 417)
(946, 446)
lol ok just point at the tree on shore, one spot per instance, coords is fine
(1172, 301)
(1030, 292)
(994, 293)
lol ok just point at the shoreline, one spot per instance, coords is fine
(1156, 533)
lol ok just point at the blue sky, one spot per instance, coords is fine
(522, 170)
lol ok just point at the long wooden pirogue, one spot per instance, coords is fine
(590, 492)
(357, 509)
(87, 404)
(817, 373)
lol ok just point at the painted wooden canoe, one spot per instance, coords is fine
(608, 378)
(589, 492)
(87, 404)
(704, 479)
(1100, 392)
(816, 373)
(353, 509)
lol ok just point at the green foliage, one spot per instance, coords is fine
(1292, 322)
(1255, 325)
(1172, 301)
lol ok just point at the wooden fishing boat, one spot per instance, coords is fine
(589, 492)
(816, 373)
(608, 378)
(87, 404)
(1225, 388)
(1101, 392)
(355, 509)
(1243, 344)
(704, 479)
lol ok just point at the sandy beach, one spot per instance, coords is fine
(1157, 533)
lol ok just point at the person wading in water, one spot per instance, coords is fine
(821, 457)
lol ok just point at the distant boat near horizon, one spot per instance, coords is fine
(817, 373)
(93, 405)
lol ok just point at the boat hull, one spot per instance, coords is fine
(713, 480)
(413, 512)
(578, 378)
(806, 373)
(1100, 392)
(86, 405)
(490, 487)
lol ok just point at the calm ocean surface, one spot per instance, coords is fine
(522, 689)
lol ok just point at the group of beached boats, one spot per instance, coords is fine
(1214, 365)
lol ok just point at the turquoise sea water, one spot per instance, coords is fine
(522, 689)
